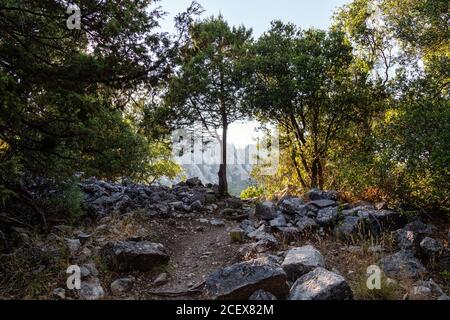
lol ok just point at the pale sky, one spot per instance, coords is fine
(257, 14)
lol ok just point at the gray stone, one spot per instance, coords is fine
(88, 270)
(73, 245)
(280, 221)
(262, 295)
(327, 216)
(420, 228)
(403, 239)
(266, 211)
(59, 293)
(134, 256)
(247, 226)
(321, 284)
(261, 234)
(291, 205)
(177, 205)
(321, 204)
(300, 261)
(197, 205)
(402, 265)
(316, 194)
(288, 233)
(349, 228)
(431, 247)
(121, 286)
(240, 281)
(420, 293)
(194, 182)
(306, 224)
(426, 290)
(91, 289)
(217, 223)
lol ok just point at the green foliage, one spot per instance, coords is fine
(207, 86)
(63, 92)
(309, 84)
(68, 203)
(405, 153)
(252, 192)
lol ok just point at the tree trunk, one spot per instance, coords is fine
(223, 183)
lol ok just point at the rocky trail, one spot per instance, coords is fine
(186, 243)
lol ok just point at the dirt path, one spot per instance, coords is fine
(196, 249)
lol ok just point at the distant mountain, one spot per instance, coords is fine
(204, 161)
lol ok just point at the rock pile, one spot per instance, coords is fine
(103, 198)
(319, 211)
(299, 276)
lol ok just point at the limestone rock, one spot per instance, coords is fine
(266, 211)
(262, 295)
(91, 289)
(240, 281)
(300, 261)
(401, 265)
(121, 286)
(134, 256)
(321, 284)
(327, 216)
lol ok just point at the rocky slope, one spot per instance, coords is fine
(186, 243)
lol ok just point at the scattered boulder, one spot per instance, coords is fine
(217, 223)
(262, 295)
(321, 204)
(134, 256)
(59, 293)
(420, 293)
(88, 270)
(288, 233)
(321, 284)
(266, 211)
(291, 206)
(91, 289)
(240, 281)
(426, 290)
(316, 194)
(247, 226)
(401, 265)
(306, 224)
(327, 216)
(420, 228)
(196, 206)
(349, 228)
(194, 182)
(121, 286)
(278, 222)
(73, 245)
(404, 240)
(83, 237)
(300, 261)
(261, 234)
(430, 247)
